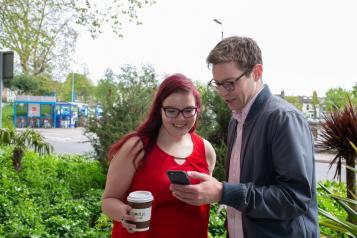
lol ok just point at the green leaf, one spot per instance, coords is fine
(337, 224)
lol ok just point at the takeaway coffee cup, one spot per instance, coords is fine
(141, 202)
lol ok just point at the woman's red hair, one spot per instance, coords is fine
(148, 130)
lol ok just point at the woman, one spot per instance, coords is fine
(166, 140)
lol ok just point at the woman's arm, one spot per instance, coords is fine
(210, 156)
(119, 178)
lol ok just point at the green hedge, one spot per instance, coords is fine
(59, 196)
(330, 205)
(54, 196)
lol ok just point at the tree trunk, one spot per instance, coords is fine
(351, 183)
(315, 111)
(16, 158)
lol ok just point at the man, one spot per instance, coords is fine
(270, 161)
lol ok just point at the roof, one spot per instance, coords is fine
(28, 98)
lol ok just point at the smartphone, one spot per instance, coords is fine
(178, 177)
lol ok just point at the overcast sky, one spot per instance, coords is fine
(307, 45)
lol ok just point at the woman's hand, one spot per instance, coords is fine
(126, 218)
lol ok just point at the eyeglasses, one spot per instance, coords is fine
(227, 85)
(187, 112)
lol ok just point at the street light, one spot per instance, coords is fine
(72, 94)
(220, 23)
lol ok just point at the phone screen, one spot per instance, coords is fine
(178, 177)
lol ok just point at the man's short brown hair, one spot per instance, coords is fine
(242, 50)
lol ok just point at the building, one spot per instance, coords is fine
(8, 95)
(312, 112)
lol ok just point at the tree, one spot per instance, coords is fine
(47, 85)
(33, 85)
(83, 88)
(354, 94)
(124, 106)
(104, 86)
(213, 125)
(315, 102)
(22, 84)
(294, 100)
(338, 131)
(336, 98)
(43, 33)
(22, 140)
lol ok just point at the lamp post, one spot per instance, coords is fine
(220, 23)
(72, 94)
(71, 119)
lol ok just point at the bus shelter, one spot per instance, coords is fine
(66, 115)
(39, 111)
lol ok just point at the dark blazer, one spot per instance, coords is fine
(277, 190)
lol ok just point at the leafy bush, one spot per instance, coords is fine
(52, 196)
(328, 204)
(337, 214)
(59, 196)
(128, 96)
(216, 221)
(213, 125)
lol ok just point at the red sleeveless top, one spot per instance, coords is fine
(170, 218)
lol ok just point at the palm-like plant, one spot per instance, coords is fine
(22, 140)
(338, 130)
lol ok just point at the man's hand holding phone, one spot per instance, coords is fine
(178, 177)
(209, 190)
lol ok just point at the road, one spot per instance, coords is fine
(71, 141)
(323, 171)
(67, 141)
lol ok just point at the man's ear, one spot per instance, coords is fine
(258, 71)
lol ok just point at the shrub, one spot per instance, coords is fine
(52, 196)
(216, 221)
(128, 96)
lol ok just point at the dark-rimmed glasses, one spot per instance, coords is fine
(173, 112)
(228, 85)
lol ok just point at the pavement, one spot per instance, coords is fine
(66, 140)
(323, 157)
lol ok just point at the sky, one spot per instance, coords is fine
(307, 45)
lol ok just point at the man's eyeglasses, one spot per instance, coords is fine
(227, 85)
(187, 112)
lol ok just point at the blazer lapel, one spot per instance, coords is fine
(250, 121)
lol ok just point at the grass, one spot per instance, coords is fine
(8, 113)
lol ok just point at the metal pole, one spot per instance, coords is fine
(6, 71)
(72, 99)
(1, 86)
(1, 77)
(219, 23)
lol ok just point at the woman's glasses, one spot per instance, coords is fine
(187, 112)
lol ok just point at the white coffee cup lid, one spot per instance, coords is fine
(140, 196)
